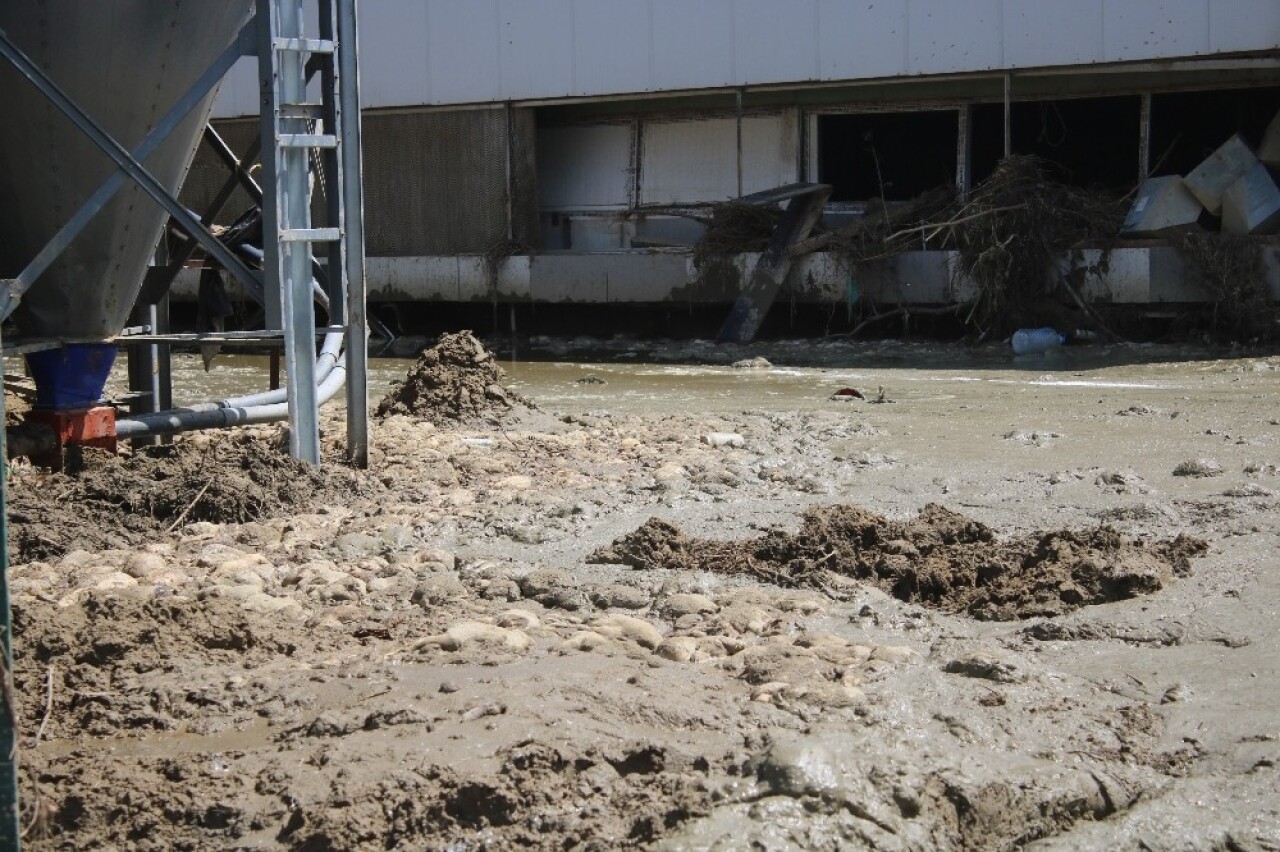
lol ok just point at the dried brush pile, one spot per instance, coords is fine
(1231, 268)
(736, 227)
(1012, 232)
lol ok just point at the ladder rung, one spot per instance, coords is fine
(315, 111)
(307, 140)
(310, 235)
(303, 45)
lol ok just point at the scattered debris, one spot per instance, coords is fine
(457, 380)
(940, 559)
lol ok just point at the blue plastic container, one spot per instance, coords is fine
(1033, 341)
(71, 377)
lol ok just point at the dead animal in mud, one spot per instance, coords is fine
(590, 380)
(457, 380)
(940, 558)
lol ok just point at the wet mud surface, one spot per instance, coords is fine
(681, 609)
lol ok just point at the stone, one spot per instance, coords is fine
(357, 545)
(896, 654)
(437, 589)
(521, 618)
(985, 666)
(114, 581)
(796, 766)
(620, 596)
(627, 627)
(467, 633)
(680, 649)
(142, 564)
(1198, 468)
(519, 482)
(586, 640)
(688, 604)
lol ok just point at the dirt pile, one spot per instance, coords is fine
(941, 559)
(457, 380)
(116, 501)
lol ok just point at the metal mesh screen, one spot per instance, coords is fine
(435, 183)
(207, 173)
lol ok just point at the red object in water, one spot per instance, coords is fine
(82, 427)
(853, 392)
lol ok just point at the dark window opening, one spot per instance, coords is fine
(1186, 127)
(1092, 141)
(906, 153)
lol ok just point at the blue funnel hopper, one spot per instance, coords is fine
(71, 377)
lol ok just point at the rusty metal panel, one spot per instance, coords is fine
(435, 182)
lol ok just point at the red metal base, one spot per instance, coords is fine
(81, 427)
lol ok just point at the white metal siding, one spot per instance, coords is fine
(584, 167)
(687, 162)
(441, 52)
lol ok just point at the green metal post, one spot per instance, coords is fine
(10, 823)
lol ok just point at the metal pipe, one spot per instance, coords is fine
(191, 419)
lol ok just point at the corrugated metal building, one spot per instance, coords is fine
(580, 127)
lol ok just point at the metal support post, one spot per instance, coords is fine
(964, 152)
(1144, 137)
(286, 213)
(1008, 115)
(353, 256)
(10, 822)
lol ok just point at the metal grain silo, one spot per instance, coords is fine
(126, 62)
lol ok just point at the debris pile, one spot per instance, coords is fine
(736, 227)
(940, 559)
(116, 501)
(457, 380)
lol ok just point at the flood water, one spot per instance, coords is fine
(656, 378)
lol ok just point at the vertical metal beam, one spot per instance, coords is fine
(964, 151)
(1008, 115)
(738, 101)
(287, 207)
(353, 208)
(1144, 137)
(10, 822)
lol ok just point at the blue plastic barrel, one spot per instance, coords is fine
(1032, 341)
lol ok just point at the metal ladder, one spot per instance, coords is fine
(289, 125)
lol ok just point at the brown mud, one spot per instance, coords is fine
(456, 380)
(107, 501)
(422, 656)
(940, 558)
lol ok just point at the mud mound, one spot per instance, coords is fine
(941, 559)
(457, 380)
(116, 501)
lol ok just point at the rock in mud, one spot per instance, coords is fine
(985, 666)
(1198, 468)
(468, 633)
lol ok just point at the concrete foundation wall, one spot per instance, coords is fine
(1136, 276)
